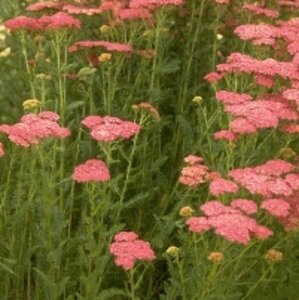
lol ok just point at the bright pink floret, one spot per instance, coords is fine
(92, 170)
(276, 207)
(109, 129)
(127, 249)
(33, 128)
(246, 206)
(221, 186)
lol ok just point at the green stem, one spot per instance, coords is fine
(132, 284)
(25, 55)
(128, 172)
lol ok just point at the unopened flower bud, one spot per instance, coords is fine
(104, 57)
(173, 251)
(186, 211)
(216, 257)
(31, 104)
(273, 256)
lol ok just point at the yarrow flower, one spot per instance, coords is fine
(250, 116)
(227, 222)
(59, 20)
(276, 207)
(46, 22)
(194, 173)
(108, 46)
(79, 10)
(38, 6)
(148, 107)
(23, 23)
(92, 170)
(221, 186)
(258, 10)
(246, 206)
(225, 135)
(128, 249)
(109, 129)
(33, 128)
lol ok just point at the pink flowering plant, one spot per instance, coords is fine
(148, 149)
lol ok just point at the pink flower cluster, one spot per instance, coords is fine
(289, 3)
(128, 248)
(46, 22)
(242, 63)
(220, 186)
(259, 10)
(231, 222)
(250, 116)
(267, 180)
(108, 46)
(33, 128)
(277, 182)
(92, 170)
(195, 173)
(38, 6)
(109, 129)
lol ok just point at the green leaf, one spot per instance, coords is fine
(75, 105)
(170, 66)
(109, 293)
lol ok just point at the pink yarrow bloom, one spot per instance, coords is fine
(108, 46)
(198, 224)
(79, 10)
(227, 135)
(228, 222)
(23, 23)
(194, 173)
(92, 170)
(59, 20)
(276, 207)
(216, 208)
(128, 249)
(246, 206)
(152, 4)
(109, 129)
(222, 186)
(38, 6)
(258, 10)
(33, 128)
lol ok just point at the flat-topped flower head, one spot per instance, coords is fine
(229, 222)
(195, 172)
(38, 6)
(222, 186)
(226, 135)
(128, 249)
(46, 22)
(109, 129)
(246, 206)
(92, 170)
(59, 20)
(216, 208)
(23, 23)
(108, 46)
(259, 10)
(276, 207)
(35, 127)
